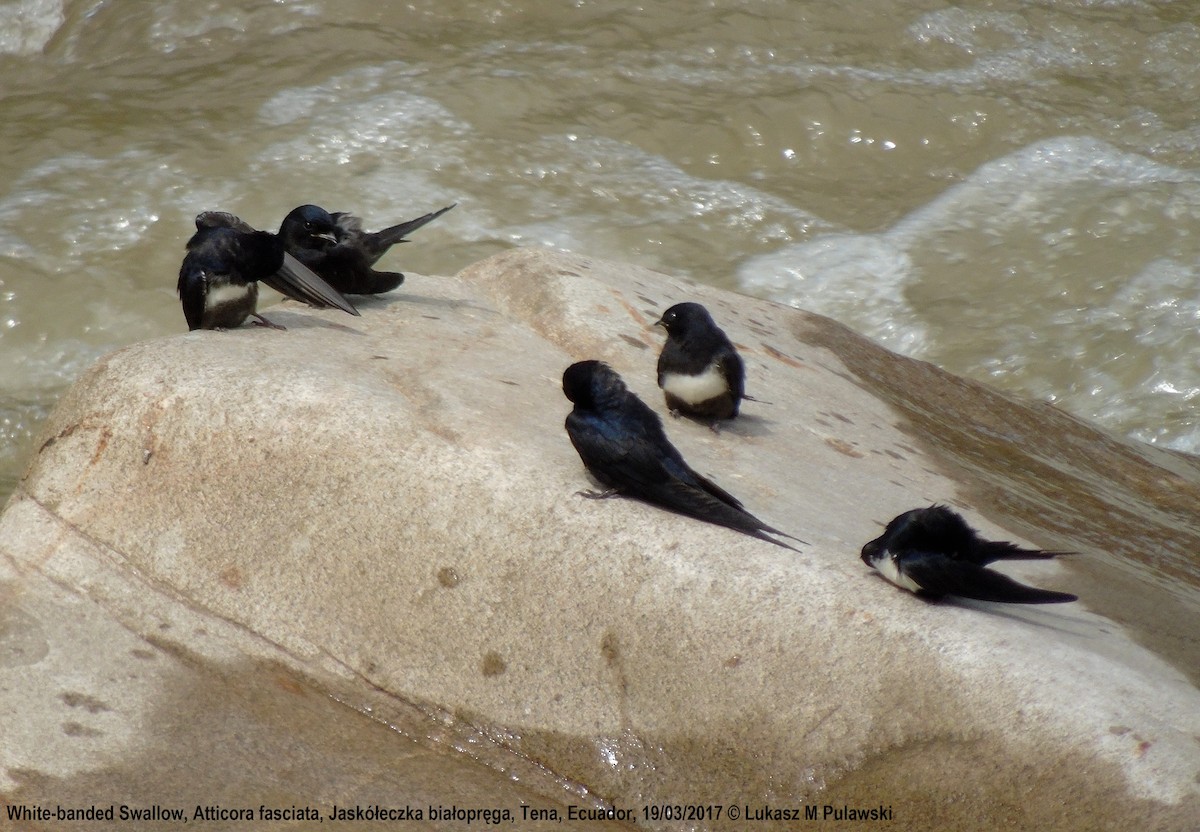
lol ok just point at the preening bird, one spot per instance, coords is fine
(226, 258)
(335, 247)
(933, 552)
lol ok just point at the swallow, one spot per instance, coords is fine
(622, 443)
(933, 552)
(335, 247)
(699, 371)
(226, 258)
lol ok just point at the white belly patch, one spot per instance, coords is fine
(695, 389)
(887, 568)
(222, 295)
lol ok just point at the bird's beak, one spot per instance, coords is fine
(327, 235)
(659, 322)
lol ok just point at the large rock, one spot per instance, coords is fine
(384, 509)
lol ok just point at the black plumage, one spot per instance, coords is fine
(335, 247)
(226, 259)
(622, 443)
(699, 370)
(933, 552)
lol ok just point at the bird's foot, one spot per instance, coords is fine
(598, 495)
(675, 414)
(714, 426)
(264, 322)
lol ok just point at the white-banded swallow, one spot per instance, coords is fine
(335, 247)
(225, 260)
(933, 552)
(622, 443)
(699, 371)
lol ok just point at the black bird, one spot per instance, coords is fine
(335, 247)
(933, 552)
(699, 371)
(226, 257)
(621, 441)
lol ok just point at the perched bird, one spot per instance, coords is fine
(621, 441)
(335, 247)
(932, 551)
(699, 371)
(226, 257)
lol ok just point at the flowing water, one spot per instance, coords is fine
(1006, 188)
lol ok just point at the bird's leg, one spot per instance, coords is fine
(598, 495)
(264, 322)
(715, 426)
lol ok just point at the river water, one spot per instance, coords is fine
(1007, 188)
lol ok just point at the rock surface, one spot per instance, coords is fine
(383, 510)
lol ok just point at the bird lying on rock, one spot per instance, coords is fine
(933, 552)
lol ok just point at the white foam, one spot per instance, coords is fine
(26, 26)
(1020, 275)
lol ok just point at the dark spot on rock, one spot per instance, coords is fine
(733, 661)
(144, 655)
(1119, 730)
(81, 700)
(895, 455)
(841, 417)
(786, 359)
(380, 357)
(289, 684)
(492, 664)
(568, 273)
(101, 444)
(62, 434)
(74, 729)
(232, 577)
(609, 648)
(629, 339)
(843, 448)
(448, 577)
(508, 382)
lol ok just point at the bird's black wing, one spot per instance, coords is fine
(222, 219)
(375, 244)
(993, 550)
(301, 283)
(192, 287)
(702, 504)
(346, 268)
(637, 466)
(938, 574)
